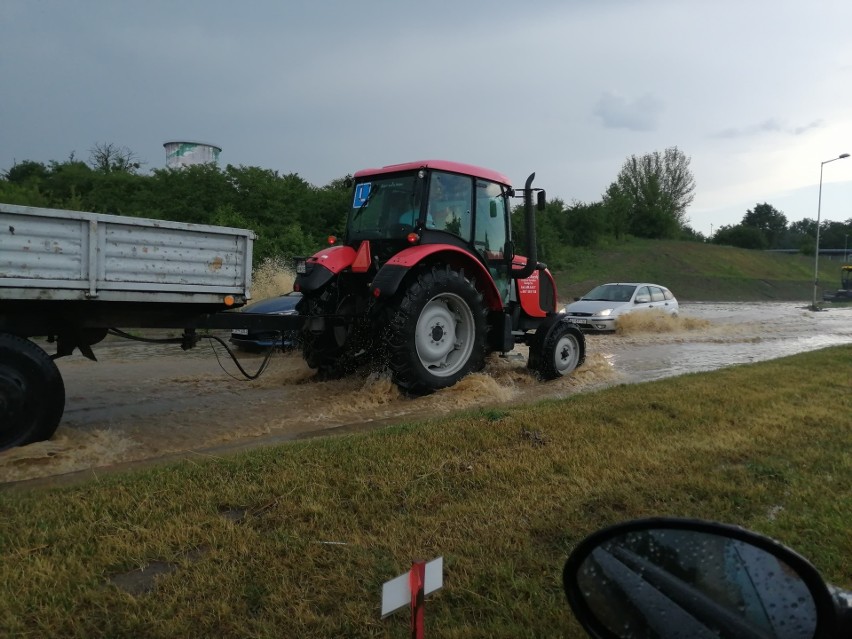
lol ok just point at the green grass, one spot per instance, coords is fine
(296, 540)
(695, 271)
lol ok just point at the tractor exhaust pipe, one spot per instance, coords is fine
(529, 228)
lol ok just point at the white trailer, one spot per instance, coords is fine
(71, 276)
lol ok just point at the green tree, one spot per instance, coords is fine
(27, 172)
(24, 195)
(769, 220)
(741, 236)
(586, 223)
(68, 184)
(833, 235)
(617, 209)
(659, 188)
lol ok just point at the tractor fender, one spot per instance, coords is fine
(537, 292)
(390, 276)
(324, 265)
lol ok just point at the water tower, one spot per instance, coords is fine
(183, 153)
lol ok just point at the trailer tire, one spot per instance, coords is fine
(32, 394)
(556, 350)
(437, 332)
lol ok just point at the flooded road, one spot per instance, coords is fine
(142, 401)
(725, 334)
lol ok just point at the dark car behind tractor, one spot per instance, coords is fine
(426, 280)
(258, 339)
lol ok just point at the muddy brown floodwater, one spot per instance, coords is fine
(143, 402)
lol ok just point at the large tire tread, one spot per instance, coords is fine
(547, 358)
(32, 393)
(407, 369)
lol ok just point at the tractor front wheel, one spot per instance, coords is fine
(556, 350)
(437, 332)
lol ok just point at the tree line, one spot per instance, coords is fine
(289, 215)
(765, 227)
(649, 198)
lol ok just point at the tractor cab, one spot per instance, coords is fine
(432, 203)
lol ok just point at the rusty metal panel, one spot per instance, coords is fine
(55, 250)
(29, 248)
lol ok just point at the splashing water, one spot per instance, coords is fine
(657, 321)
(271, 278)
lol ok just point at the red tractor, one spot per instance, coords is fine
(426, 281)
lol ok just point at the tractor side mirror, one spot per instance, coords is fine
(541, 200)
(509, 251)
(492, 209)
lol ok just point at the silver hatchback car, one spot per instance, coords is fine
(599, 309)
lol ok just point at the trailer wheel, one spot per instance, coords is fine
(32, 394)
(557, 350)
(437, 332)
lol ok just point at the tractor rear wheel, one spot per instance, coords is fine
(32, 394)
(437, 332)
(330, 350)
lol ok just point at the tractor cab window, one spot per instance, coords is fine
(490, 234)
(385, 208)
(490, 220)
(450, 198)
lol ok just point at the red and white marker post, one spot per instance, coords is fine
(410, 590)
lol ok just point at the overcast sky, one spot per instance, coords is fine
(756, 93)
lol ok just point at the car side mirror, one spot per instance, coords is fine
(667, 577)
(642, 299)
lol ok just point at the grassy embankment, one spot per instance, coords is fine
(296, 540)
(699, 272)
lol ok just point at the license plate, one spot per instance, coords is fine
(575, 320)
(240, 331)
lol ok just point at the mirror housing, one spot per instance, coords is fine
(509, 251)
(541, 200)
(686, 577)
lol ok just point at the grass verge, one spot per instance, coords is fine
(696, 271)
(296, 540)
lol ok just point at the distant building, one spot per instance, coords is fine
(183, 153)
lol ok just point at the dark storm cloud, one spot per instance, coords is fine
(325, 88)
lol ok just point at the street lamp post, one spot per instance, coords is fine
(814, 306)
